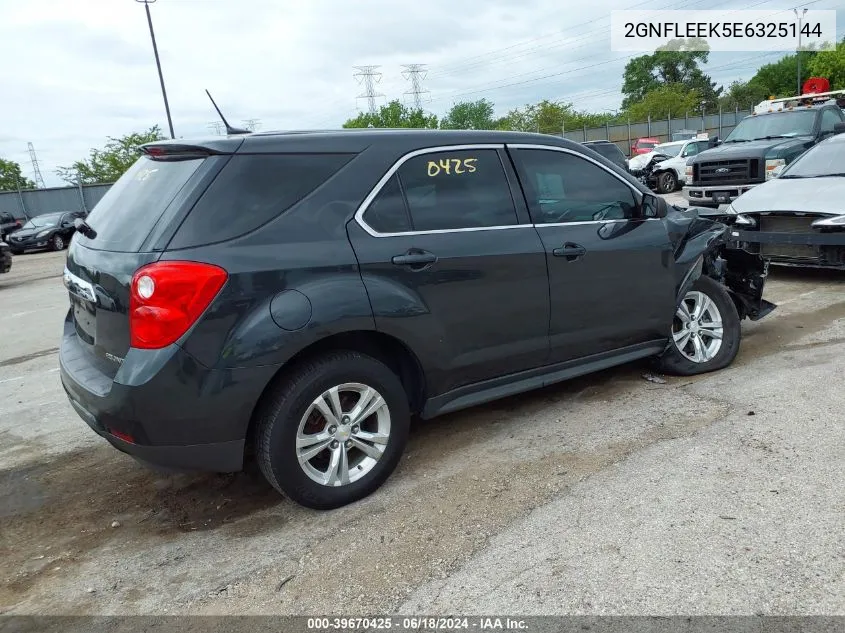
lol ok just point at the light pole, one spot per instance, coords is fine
(146, 4)
(800, 19)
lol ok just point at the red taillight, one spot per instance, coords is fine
(167, 298)
(122, 436)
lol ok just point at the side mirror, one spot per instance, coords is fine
(654, 206)
(839, 128)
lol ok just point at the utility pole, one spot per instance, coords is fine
(369, 77)
(146, 4)
(216, 127)
(252, 124)
(415, 73)
(36, 170)
(800, 19)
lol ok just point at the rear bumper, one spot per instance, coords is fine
(163, 407)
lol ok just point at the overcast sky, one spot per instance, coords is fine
(77, 71)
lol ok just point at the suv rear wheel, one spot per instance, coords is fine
(333, 431)
(705, 331)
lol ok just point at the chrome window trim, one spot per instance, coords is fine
(567, 150)
(375, 191)
(638, 195)
(359, 214)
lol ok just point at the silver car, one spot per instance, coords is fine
(797, 218)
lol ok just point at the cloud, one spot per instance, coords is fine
(82, 71)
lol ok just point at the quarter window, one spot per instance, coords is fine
(562, 187)
(457, 190)
(388, 213)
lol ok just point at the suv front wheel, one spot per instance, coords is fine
(706, 331)
(333, 430)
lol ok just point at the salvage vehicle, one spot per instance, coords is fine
(797, 218)
(664, 169)
(49, 231)
(778, 131)
(5, 258)
(298, 296)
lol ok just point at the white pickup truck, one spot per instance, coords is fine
(670, 174)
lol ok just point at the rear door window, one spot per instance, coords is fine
(252, 190)
(457, 190)
(133, 205)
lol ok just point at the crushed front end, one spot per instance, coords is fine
(705, 246)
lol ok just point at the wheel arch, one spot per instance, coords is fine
(388, 349)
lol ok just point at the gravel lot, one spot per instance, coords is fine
(608, 494)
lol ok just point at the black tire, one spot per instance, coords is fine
(57, 242)
(667, 182)
(280, 415)
(673, 360)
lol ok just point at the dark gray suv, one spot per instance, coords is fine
(299, 296)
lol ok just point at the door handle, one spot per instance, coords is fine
(414, 259)
(570, 251)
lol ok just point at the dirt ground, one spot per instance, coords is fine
(86, 530)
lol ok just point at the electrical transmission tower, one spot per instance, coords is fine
(252, 124)
(216, 127)
(415, 73)
(36, 170)
(369, 77)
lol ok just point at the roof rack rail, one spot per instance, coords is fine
(809, 99)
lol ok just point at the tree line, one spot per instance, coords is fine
(667, 83)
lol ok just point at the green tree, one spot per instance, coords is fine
(469, 115)
(11, 177)
(830, 64)
(743, 95)
(663, 101)
(549, 117)
(109, 163)
(394, 115)
(670, 64)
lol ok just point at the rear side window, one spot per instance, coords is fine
(124, 217)
(456, 190)
(252, 190)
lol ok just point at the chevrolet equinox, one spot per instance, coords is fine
(297, 297)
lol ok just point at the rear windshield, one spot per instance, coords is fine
(126, 215)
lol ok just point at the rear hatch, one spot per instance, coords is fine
(130, 227)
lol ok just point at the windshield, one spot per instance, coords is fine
(41, 221)
(645, 144)
(795, 123)
(669, 150)
(826, 159)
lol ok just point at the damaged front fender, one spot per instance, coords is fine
(702, 246)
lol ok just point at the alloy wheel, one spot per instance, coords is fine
(697, 328)
(343, 434)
